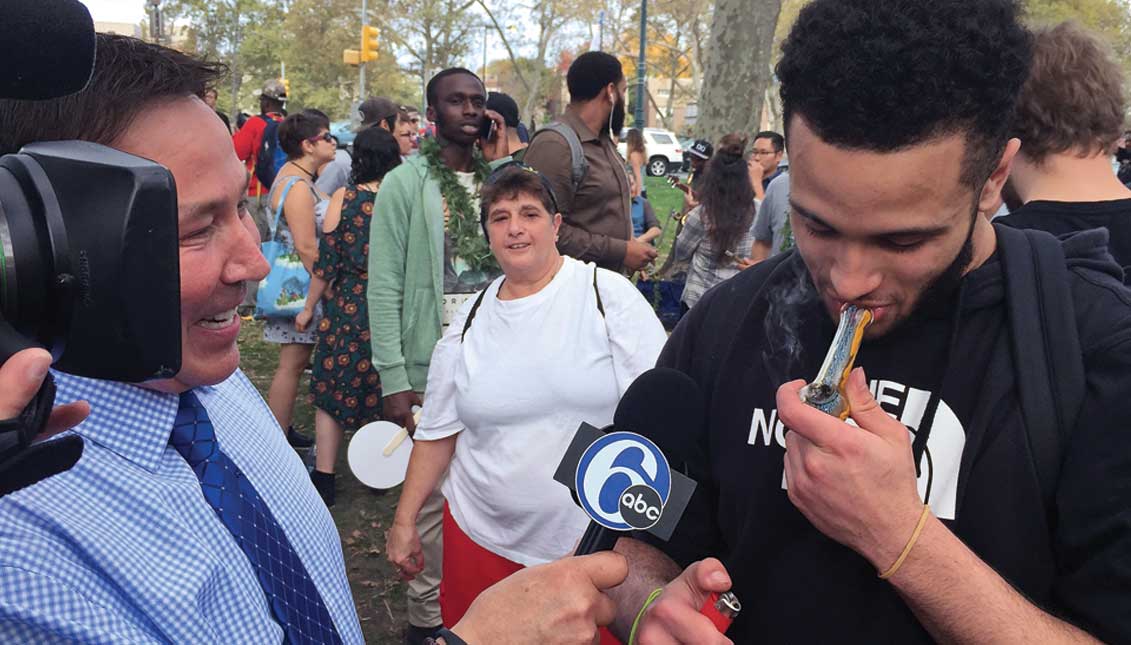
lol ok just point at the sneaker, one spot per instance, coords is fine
(298, 440)
(414, 635)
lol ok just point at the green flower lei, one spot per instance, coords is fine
(463, 224)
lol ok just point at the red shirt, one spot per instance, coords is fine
(247, 142)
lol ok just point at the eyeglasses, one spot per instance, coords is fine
(498, 172)
(325, 136)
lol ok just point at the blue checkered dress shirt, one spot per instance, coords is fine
(123, 548)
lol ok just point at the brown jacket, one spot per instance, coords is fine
(597, 220)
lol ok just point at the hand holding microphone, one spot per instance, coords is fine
(624, 482)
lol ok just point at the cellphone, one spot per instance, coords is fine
(486, 128)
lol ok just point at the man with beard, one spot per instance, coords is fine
(931, 517)
(1069, 119)
(596, 215)
(416, 282)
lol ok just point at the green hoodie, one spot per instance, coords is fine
(406, 281)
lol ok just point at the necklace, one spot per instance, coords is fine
(308, 173)
(463, 225)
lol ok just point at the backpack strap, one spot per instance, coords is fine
(579, 167)
(471, 314)
(479, 300)
(1047, 358)
(600, 305)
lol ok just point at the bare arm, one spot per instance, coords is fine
(299, 211)
(959, 599)
(334, 211)
(649, 235)
(313, 296)
(648, 569)
(426, 466)
(636, 160)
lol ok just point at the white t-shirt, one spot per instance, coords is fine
(527, 373)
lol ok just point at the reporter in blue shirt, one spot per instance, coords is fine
(148, 538)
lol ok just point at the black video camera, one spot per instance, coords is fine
(89, 268)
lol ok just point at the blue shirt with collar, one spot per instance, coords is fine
(123, 547)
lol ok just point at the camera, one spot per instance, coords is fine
(89, 264)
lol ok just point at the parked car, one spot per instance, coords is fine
(343, 132)
(665, 154)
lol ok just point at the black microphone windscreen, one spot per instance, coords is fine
(47, 48)
(666, 406)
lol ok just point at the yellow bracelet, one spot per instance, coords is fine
(636, 623)
(910, 543)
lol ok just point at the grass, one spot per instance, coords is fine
(664, 199)
(360, 513)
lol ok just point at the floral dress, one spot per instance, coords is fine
(344, 383)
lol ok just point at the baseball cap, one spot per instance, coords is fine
(702, 149)
(376, 109)
(505, 106)
(274, 90)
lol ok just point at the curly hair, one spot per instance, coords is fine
(1073, 98)
(726, 197)
(882, 75)
(375, 152)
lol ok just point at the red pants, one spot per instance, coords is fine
(469, 569)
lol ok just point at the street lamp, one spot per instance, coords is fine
(155, 24)
(640, 65)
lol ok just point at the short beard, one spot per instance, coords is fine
(940, 291)
(616, 119)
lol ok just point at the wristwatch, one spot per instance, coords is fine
(444, 637)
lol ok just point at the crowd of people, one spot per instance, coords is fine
(472, 283)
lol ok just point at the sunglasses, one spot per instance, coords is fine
(325, 136)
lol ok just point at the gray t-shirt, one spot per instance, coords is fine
(335, 174)
(772, 222)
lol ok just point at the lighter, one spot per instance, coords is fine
(721, 610)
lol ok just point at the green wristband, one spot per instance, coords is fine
(640, 614)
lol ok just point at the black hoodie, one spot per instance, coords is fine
(760, 329)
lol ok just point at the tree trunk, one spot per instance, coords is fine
(737, 67)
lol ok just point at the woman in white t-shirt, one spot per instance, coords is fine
(551, 343)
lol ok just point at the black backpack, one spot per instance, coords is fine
(271, 156)
(1047, 358)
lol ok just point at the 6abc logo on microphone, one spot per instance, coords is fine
(623, 482)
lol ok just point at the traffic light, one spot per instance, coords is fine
(369, 38)
(286, 85)
(351, 56)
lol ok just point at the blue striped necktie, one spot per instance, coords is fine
(295, 601)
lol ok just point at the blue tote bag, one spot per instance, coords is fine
(282, 294)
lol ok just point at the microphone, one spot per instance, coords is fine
(47, 47)
(622, 477)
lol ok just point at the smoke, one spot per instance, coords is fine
(783, 320)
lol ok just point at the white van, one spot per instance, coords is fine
(665, 154)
